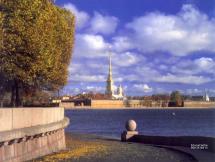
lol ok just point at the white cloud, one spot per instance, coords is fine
(81, 16)
(161, 90)
(87, 78)
(130, 77)
(90, 45)
(205, 63)
(76, 90)
(146, 73)
(184, 79)
(178, 35)
(95, 88)
(188, 31)
(103, 24)
(142, 88)
(163, 67)
(125, 59)
(194, 91)
(122, 43)
(74, 68)
(201, 65)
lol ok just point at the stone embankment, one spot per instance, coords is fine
(200, 148)
(28, 133)
(120, 104)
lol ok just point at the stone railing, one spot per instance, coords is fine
(191, 142)
(28, 133)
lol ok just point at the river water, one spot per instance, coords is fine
(168, 122)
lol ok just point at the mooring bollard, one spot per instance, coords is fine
(130, 130)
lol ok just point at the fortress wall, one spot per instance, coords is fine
(107, 104)
(202, 104)
(67, 105)
(135, 103)
(27, 133)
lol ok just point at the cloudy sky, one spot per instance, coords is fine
(157, 45)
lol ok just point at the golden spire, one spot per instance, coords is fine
(110, 67)
(109, 86)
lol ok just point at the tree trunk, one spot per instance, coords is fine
(15, 94)
(58, 93)
(12, 101)
(17, 90)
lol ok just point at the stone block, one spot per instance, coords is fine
(5, 119)
(126, 135)
(44, 141)
(22, 150)
(21, 118)
(8, 152)
(1, 153)
(50, 115)
(37, 116)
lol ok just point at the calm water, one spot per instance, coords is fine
(195, 122)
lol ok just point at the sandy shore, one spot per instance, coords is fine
(91, 148)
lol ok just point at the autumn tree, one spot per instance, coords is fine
(176, 98)
(36, 45)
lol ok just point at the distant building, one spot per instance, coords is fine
(120, 90)
(206, 97)
(56, 101)
(65, 98)
(61, 99)
(119, 94)
(110, 85)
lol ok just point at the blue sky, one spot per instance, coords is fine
(157, 46)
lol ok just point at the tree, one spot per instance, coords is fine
(176, 98)
(37, 40)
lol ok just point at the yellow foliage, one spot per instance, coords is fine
(76, 153)
(37, 40)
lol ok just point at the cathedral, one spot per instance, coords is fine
(206, 97)
(110, 85)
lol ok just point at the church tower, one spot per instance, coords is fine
(109, 82)
(120, 91)
(206, 97)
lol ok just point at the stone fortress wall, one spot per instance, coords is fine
(107, 104)
(199, 104)
(67, 105)
(28, 133)
(135, 104)
(113, 104)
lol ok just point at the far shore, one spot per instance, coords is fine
(135, 108)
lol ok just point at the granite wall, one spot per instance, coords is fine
(28, 133)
